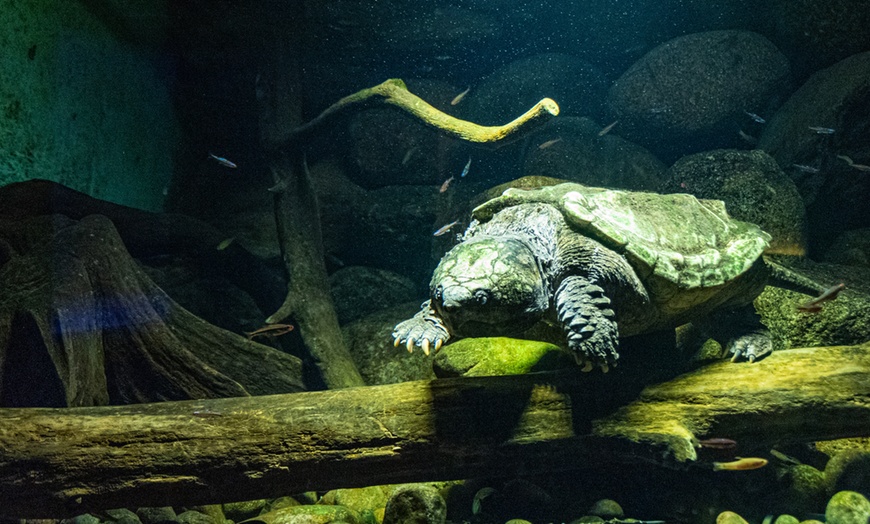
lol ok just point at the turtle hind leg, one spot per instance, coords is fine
(588, 321)
(740, 332)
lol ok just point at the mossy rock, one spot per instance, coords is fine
(472, 357)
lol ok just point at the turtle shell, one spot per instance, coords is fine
(678, 238)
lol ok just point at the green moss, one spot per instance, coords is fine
(498, 356)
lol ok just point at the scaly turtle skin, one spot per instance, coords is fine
(600, 263)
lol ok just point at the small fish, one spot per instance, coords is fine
(445, 228)
(805, 168)
(822, 130)
(409, 155)
(222, 161)
(815, 305)
(446, 184)
(606, 129)
(476, 502)
(746, 137)
(207, 413)
(852, 164)
(466, 168)
(717, 443)
(225, 243)
(549, 143)
(755, 118)
(272, 330)
(458, 98)
(741, 464)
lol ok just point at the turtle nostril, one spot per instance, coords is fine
(450, 305)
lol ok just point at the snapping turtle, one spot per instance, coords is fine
(591, 259)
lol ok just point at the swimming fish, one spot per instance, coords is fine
(852, 164)
(466, 168)
(606, 129)
(481, 494)
(225, 243)
(717, 443)
(272, 330)
(741, 464)
(445, 228)
(746, 137)
(222, 161)
(549, 143)
(805, 168)
(822, 130)
(409, 155)
(458, 98)
(445, 184)
(755, 117)
(815, 305)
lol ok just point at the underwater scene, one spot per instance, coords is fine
(434, 262)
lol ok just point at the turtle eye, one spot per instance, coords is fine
(438, 293)
(481, 297)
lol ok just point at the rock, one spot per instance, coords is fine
(588, 519)
(581, 155)
(806, 491)
(682, 96)
(754, 189)
(848, 507)
(606, 509)
(156, 515)
(86, 518)
(83, 104)
(475, 357)
(786, 519)
(195, 517)
(123, 516)
(238, 511)
(370, 343)
(358, 291)
(836, 29)
(844, 321)
(848, 471)
(729, 517)
(308, 514)
(357, 499)
(415, 504)
(215, 511)
(833, 98)
(520, 499)
(852, 248)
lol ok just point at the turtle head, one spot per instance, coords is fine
(489, 286)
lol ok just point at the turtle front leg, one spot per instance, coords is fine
(424, 330)
(589, 323)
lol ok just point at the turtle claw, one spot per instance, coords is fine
(751, 346)
(423, 330)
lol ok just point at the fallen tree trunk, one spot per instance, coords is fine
(56, 462)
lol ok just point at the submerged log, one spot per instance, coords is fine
(64, 462)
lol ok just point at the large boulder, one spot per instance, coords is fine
(682, 96)
(754, 189)
(820, 135)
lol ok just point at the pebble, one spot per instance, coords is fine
(415, 504)
(848, 507)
